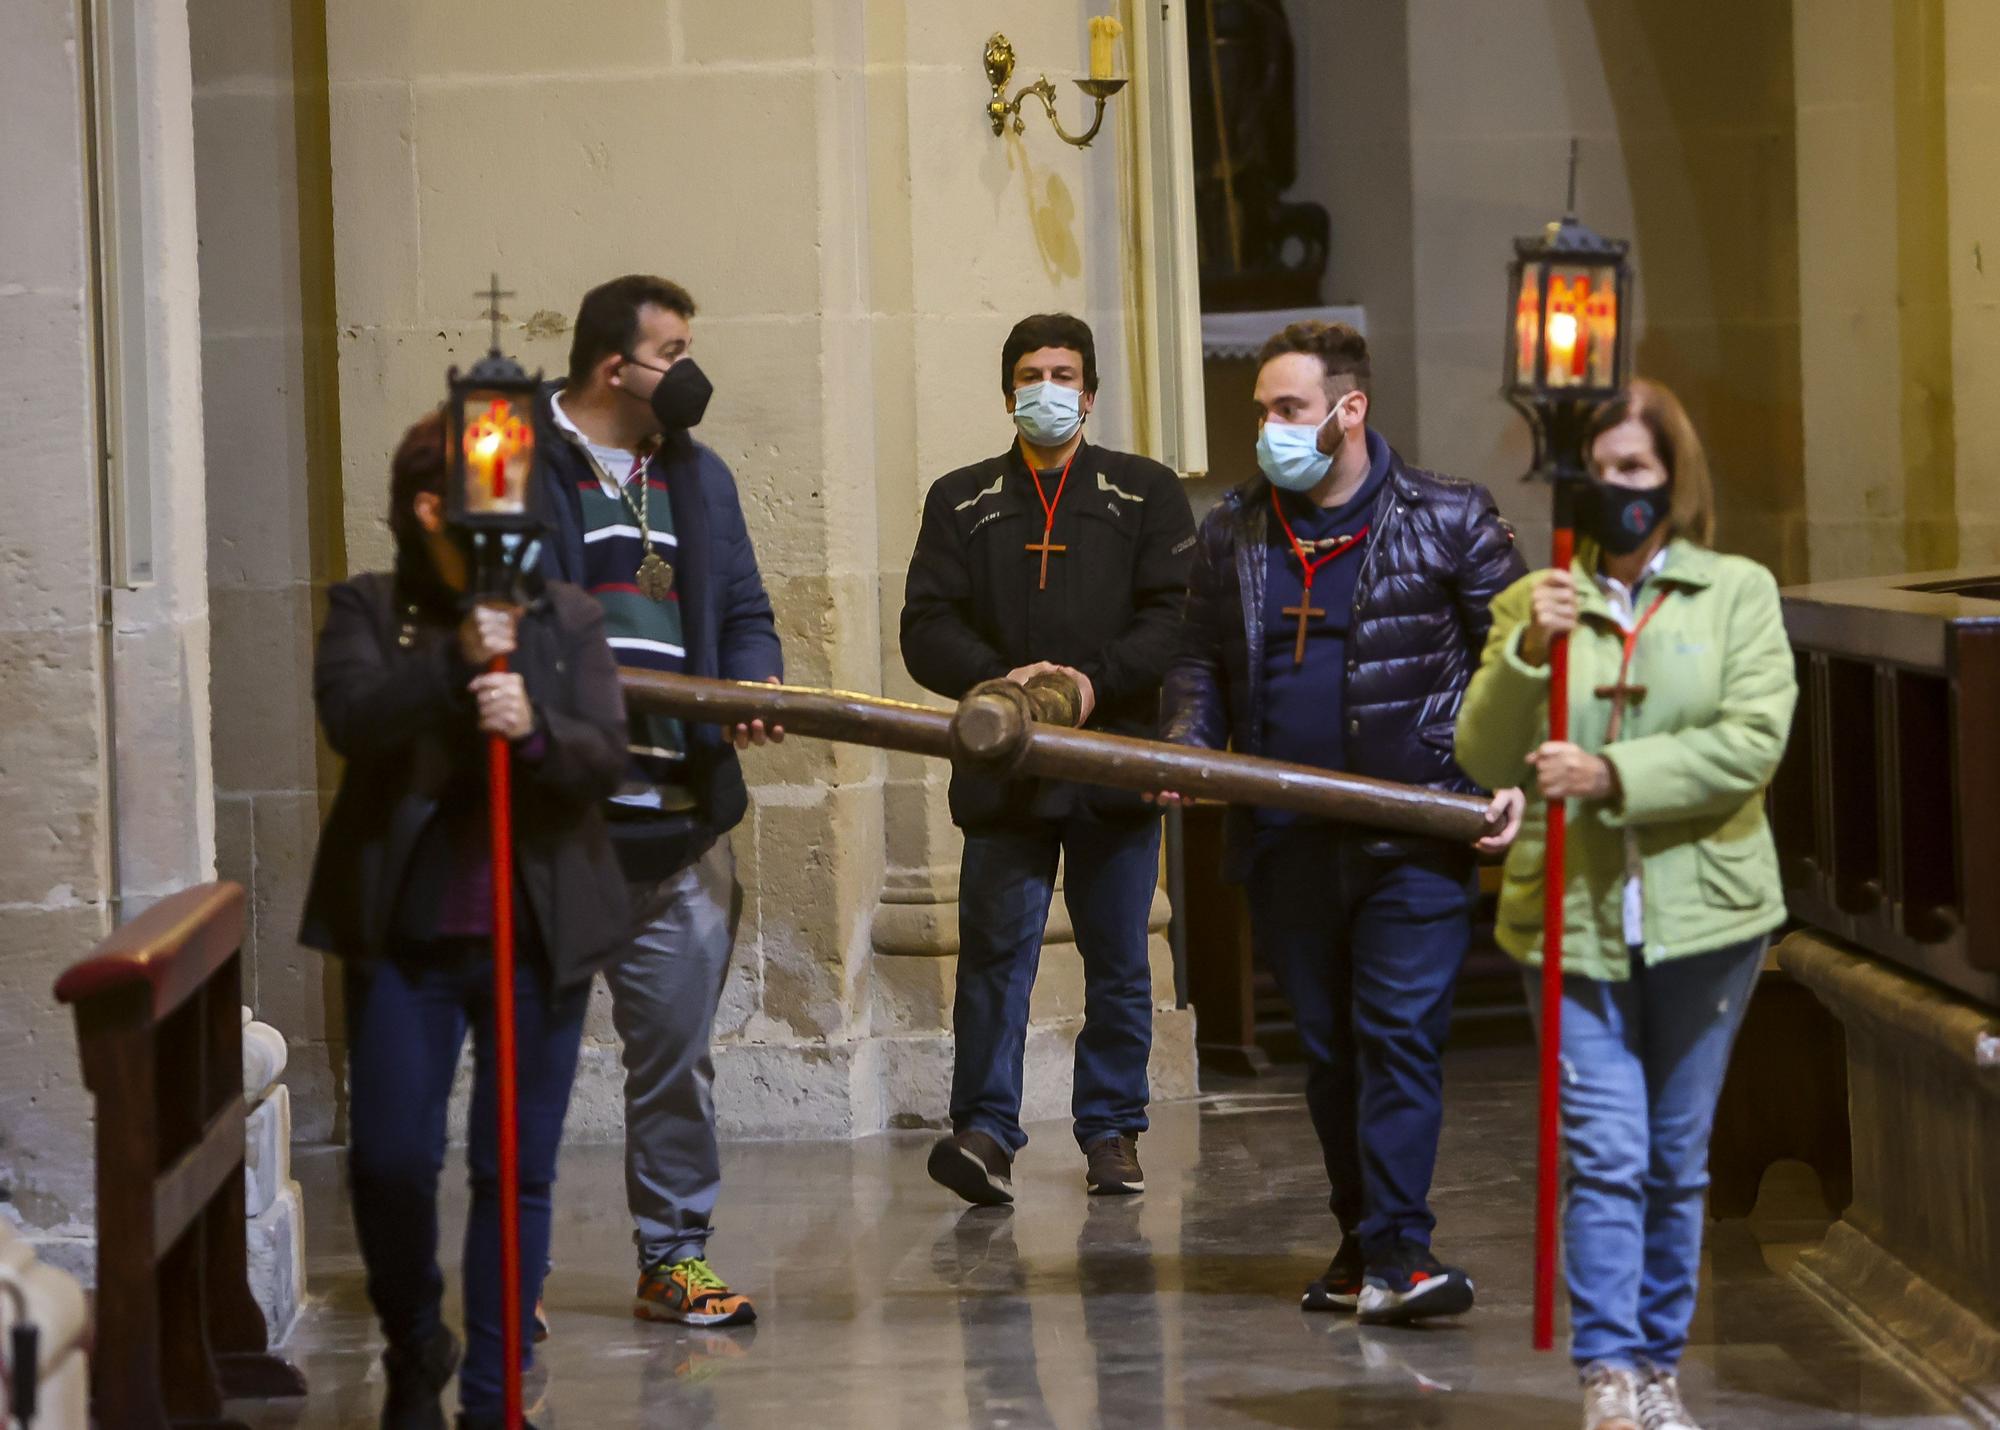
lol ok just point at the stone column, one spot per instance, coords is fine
(1915, 1261)
(107, 773)
(1971, 106)
(274, 523)
(1876, 335)
(55, 876)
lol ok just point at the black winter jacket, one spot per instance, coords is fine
(1436, 556)
(391, 692)
(973, 608)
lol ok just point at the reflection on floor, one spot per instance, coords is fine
(885, 1303)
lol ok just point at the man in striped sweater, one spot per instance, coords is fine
(648, 521)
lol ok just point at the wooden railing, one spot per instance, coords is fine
(159, 1030)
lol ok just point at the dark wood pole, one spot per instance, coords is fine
(996, 730)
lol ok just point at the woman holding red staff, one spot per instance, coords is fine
(402, 891)
(1681, 688)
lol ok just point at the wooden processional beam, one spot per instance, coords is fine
(1004, 730)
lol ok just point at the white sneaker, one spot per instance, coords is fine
(1660, 1406)
(1610, 1398)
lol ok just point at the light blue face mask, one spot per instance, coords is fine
(1290, 457)
(1048, 413)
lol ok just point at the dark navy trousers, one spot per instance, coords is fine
(1367, 946)
(406, 1022)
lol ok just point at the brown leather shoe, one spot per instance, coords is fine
(975, 1166)
(1114, 1166)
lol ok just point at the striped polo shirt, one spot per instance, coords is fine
(644, 634)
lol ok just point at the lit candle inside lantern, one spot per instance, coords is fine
(1104, 33)
(1566, 337)
(492, 467)
(1562, 343)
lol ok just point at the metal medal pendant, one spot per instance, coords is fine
(656, 577)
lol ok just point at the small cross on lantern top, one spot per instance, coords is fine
(493, 294)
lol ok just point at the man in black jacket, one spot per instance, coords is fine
(647, 520)
(1337, 610)
(1055, 555)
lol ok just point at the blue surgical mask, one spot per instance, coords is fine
(1048, 413)
(1290, 457)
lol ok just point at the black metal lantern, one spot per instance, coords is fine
(490, 428)
(1568, 291)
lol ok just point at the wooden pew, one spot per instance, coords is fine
(159, 1030)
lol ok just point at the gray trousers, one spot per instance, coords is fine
(665, 988)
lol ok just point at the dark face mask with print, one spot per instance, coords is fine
(680, 397)
(1621, 519)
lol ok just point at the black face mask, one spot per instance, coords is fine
(1620, 519)
(681, 395)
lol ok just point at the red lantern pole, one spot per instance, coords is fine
(490, 434)
(1548, 1160)
(500, 804)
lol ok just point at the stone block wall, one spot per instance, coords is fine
(270, 403)
(822, 177)
(104, 770)
(54, 892)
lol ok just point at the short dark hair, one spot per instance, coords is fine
(1049, 330)
(607, 321)
(1341, 350)
(418, 466)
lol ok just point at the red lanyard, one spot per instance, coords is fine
(1311, 567)
(1047, 544)
(1049, 507)
(1632, 636)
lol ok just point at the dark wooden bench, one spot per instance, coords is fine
(159, 1030)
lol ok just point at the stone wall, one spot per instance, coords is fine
(822, 177)
(1436, 133)
(104, 767)
(270, 402)
(55, 888)
(1687, 149)
(1877, 348)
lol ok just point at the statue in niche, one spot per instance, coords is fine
(1257, 250)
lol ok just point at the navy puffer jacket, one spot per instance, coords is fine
(1437, 554)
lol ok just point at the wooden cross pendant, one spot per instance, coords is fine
(1045, 547)
(1305, 610)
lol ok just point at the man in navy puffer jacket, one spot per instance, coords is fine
(1336, 612)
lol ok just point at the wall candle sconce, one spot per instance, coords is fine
(1104, 32)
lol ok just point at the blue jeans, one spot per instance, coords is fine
(1006, 882)
(1643, 1063)
(406, 1022)
(1367, 948)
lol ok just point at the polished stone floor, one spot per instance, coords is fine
(887, 1304)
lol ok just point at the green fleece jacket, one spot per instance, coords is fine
(1693, 758)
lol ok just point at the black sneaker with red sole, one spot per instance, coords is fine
(1409, 1284)
(1339, 1289)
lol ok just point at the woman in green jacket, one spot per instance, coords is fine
(1681, 687)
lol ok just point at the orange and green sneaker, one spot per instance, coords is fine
(690, 1294)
